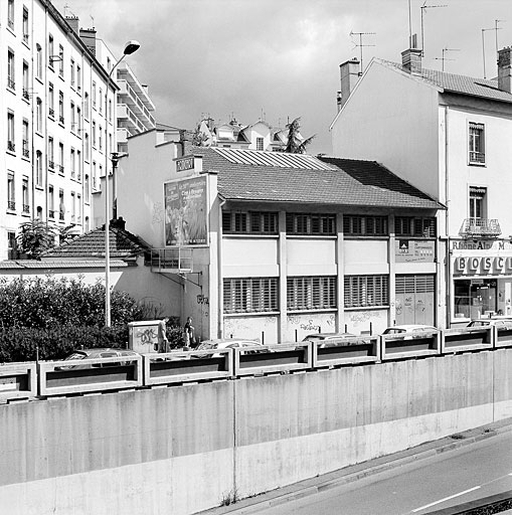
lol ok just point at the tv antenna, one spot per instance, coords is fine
(444, 58)
(483, 48)
(496, 28)
(360, 45)
(423, 10)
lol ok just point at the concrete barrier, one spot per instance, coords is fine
(18, 380)
(468, 339)
(407, 345)
(346, 352)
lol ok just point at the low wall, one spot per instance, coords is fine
(183, 449)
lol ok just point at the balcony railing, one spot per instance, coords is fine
(51, 213)
(51, 165)
(26, 208)
(477, 157)
(51, 112)
(11, 205)
(10, 83)
(10, 146)
(480, 227)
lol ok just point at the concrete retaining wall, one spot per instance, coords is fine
(182, 449)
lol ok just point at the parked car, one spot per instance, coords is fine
(410, 330)
(331, 339)
(500, 323)
(227, 343)
(99, 353)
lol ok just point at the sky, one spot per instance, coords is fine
(277, 60)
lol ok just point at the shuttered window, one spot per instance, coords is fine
(311, 293)
(407, 284)
(310, 224)
(250, 295)
(355, 225)
(250, 222)
(416, 227)
(366, 291)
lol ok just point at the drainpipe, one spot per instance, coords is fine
(448, 268)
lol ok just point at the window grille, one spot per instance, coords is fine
(250, 295)
(415, 226)
(407, 284)
(354, 225)
(251, 222)
(366, 291)
(304, 293)
(310, 224)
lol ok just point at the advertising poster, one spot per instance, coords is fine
(186, 212)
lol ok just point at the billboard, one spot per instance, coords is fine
(186, 212)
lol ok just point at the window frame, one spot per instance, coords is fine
(306, 293)
(357, 294)
(250, 295)
(476, 144)
(260, 223)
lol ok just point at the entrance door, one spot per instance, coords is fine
(414, 299)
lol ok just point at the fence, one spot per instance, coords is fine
(51, 378)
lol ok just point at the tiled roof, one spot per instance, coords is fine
(52, 264)
(342, 182)
(122, 245)
(461, 84)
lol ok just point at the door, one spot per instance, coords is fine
(414, 299)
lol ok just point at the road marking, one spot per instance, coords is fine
(446, 499)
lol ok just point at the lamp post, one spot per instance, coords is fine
(129, 48)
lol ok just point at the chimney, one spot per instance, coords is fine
(411, 58)
(349, 75)
(88, 36)
(504, 70)
(74, 23)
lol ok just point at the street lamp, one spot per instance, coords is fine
(129, 48)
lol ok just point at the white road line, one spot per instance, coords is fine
(445, 499)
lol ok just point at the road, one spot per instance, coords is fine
(472, 472)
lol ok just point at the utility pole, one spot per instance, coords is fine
(360, 45)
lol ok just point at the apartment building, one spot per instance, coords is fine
(55, 125)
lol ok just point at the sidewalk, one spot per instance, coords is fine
(359, 471)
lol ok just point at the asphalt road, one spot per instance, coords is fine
(471, 472)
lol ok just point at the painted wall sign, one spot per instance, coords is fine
(480, 245)
(186, 212)
(483, 264)
(185, 163)
(414, 251)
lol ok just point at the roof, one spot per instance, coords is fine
(247, 175)
(459, 84)
(53, 264)
(123, 245)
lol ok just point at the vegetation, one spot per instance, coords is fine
(47, 318)
(295, 144)
(34, 238)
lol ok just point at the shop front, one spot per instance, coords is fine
(482, 279)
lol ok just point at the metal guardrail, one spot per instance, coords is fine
(50, 378)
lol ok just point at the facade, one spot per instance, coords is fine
(55, 127)
(449, 136)
(276, 246)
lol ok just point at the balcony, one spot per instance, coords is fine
(51, 214)
(26, 209)
(11, 205)
(10, 83)
(10, 146)
(480, 228)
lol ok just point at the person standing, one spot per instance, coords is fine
(188, 333)
(163, 342)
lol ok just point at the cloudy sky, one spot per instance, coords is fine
(279, 59)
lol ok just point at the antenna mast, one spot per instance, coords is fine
(483, 48)
(360, 45)
(444, 58)
(423, 9)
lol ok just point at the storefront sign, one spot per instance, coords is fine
(414, 251)
(480, 245)
(483, 264)
(185, 163)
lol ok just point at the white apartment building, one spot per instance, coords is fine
(55, 127)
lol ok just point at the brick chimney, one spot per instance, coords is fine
(504, 70)
(411, 60)
(349, 75)
(74, 23)
(88, 36)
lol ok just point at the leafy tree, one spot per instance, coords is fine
(295, 143)
(34, 238)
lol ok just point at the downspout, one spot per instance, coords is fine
(448, 267)
(220, 281)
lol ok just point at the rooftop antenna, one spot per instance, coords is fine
(483, 48)
(496, 28)
(423, 9)
(92, 21)
(360, 45)
(444, 58)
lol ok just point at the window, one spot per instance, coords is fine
(61, 61)
(10, 132)
(109, 110)
(477, 202)
(78, 165)
(11, 203)
(79, 119)
(94, 175)
(100, 96)
(62, 208)
(61, 107)
(94, 94)
(51, 101)
(250, 222)
(25, 25)
(61, 157)
(73, 207)
(355, 225)
(25, 141)
(72, 73)
(51, 154)
(24, 195)
(50, 51)
(418, 227)
(73, 117)
(11, 82)
(39, 168)
(25, 93)
(39, 61)
(72, 162)
(476, 143)
(87, 148)
(87, 188)
(78, 78)
(86, 105)
(100, 133)
(250, 295)
(39, 115)
(259, 144)
(12, 246)
(93, 134)
(310, 224)
(304, 293)
(78, 208)
(10, 14)
(366, 291)
(51, 202)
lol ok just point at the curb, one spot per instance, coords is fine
(359, 471)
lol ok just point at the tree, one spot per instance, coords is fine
(34, 238)
(295, 143)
